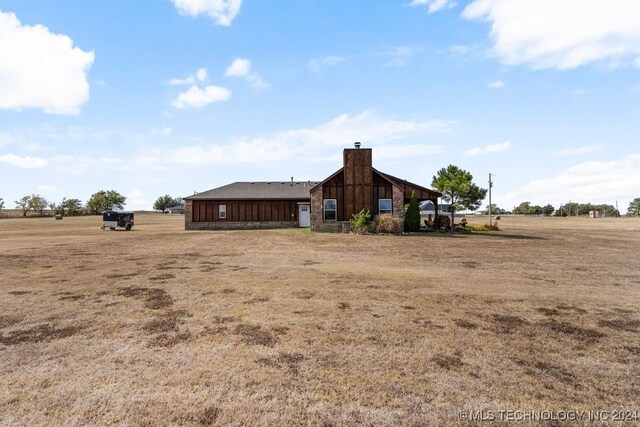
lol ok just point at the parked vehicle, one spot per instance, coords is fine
(113, 219)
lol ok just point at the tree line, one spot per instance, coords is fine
(97, 203)
(455, 184)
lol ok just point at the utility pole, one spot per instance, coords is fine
(617, 211)
(490, 185)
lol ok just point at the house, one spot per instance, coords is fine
(323, 206)
(429, 208)
(179, 210)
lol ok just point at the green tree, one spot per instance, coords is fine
(495, 210)
(71, 207)
(163, 202)
(104, 201)
(522, 208)
(1, 203)
(548, 210)
(457, 188)
(535, 210)
(634, 207)
(38, 204)
(412, 215)
(23, 205)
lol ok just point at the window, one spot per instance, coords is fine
(329, 209)
(384, 206)
(222, 211)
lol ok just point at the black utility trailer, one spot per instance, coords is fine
(113, 219)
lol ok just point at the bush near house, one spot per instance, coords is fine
(386, 224)
(412, 215)
(361, 222)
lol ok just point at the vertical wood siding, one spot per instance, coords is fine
(246, 210)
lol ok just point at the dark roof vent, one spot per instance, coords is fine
(357, 144)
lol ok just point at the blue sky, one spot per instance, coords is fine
(176, 96)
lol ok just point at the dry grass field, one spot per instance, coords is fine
(159, 326)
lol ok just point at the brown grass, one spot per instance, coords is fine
(290, 328)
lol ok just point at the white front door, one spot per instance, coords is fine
(303, 215)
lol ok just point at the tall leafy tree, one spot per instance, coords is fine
(72, 206)
(457, 188)
(104, 201)
(548, 210)
(412, 215)
(38, 203)
(634, 207)
(1, 203)
(163, 202)
(522, 208)
(23, 205)
(69, 207)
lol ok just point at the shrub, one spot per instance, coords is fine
(412, 216)
(485, 227)
(360, 222)
(387, 224)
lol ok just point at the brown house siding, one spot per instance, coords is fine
(241, 214)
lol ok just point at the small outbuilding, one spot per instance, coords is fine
(323, 206)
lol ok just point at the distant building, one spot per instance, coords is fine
(175, 210)
(427, 208)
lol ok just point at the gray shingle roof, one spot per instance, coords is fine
(258, 190)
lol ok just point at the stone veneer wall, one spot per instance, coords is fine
(188, 214)
(317, 224)
(242, 225)
(223, 225)
(398, 206)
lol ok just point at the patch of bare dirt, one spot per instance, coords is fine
(255, 335)
(579, 333)
(287, 360)
(448, 361)
(507, 324)
(37, 334)
(630, 325)
(7, 320)
(465, 324)
(155, 298)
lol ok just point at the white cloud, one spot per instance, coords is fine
(222, 12)
(41, 69)
(189, 80)
(388, 135)
(592, 181)
(317, 64)
(23, 162)
(561, 34)
(47, 189)
(202, 74)
(434, 5)
(241, 67)
(578, 150)
(498, 84)
(195, 97)
(492, 148)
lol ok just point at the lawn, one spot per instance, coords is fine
(161, 326)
